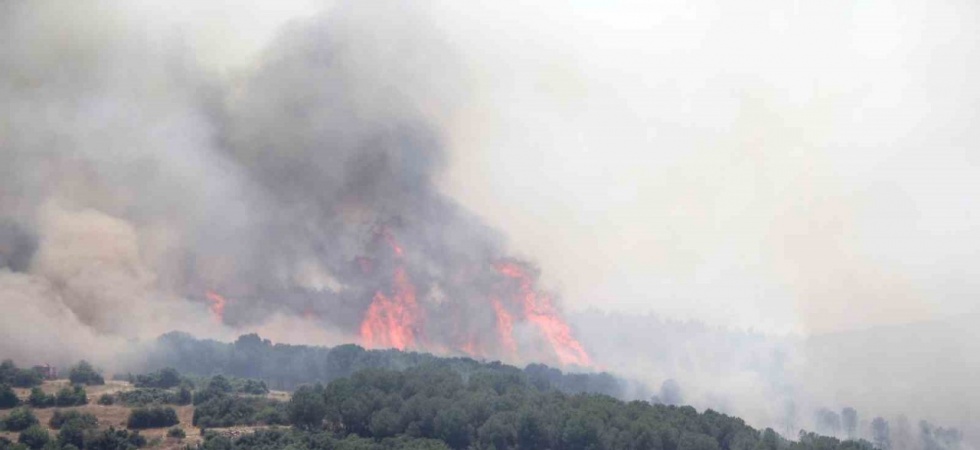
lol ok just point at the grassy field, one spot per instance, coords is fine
(116, 415)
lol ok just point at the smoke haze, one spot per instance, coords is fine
(790, 179)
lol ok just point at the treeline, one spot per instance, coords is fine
(498, 407)
(285, 366)
(898, 434)
(11, 375)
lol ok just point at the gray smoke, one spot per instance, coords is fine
(138, 187)
(853, 385)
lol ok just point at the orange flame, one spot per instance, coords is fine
(391, 241)
(391, 320)
(505, 328)
(217, 306)
(539, 310)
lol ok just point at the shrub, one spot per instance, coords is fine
(19, 419)
(226, 411)
(250, 386)
(152, 417)
(73, 433)
(25, 378)
(38, 399)
(71, 396)
(176, 432)
(34, 437)
(84, 373)
(87, 420)
(154, 396)
(113, 439)
(163, 379)
(11, 375)
(106, 399)
(8, 399)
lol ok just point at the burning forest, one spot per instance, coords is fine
(472, 183)
(300, 191)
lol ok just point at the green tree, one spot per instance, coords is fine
(34, 437)
(531, 430)
(38, 399)
(19, 419)
(8, 399)
(152, 417)
(71, 396)
(72, 433)
(84, 373)
(26, 378)
(306, 408)
(499, 431)
(451, 426)
(697, 441)
(385, 423)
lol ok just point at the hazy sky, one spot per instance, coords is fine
(782, 165)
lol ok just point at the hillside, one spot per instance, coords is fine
(435, 403)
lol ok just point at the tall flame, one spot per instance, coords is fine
(539, 309)
(505, 328)
(393, 320)
(217, 306)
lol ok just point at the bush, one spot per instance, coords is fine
(176, 432)
(84, 373)
(8, 399)
(106, 399)
(164, 379)
(25, 378)
(19, 419)
(73, 432)
(154, 396)
(34, 437)
(71, 396)
(38, 399)
(250, 386)
(152, 417)
(113, 439)
(226, 411)
(87, 420)
(11, 375)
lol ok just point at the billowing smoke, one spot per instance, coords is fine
(141, 193)
(144, 191)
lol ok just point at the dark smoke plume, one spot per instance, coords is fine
(141, 193)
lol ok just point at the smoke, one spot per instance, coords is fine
(375, 151)
(835, 384)
(147, 193)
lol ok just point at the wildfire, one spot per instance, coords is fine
(540, 310)
(505, 328)
(393, 320)
(217, 306)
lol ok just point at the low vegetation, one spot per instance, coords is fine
(8, 398)
(152, 417)
(19, 419)
(11, 375)
(85, 419)
(85, 373)
(151, 396)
